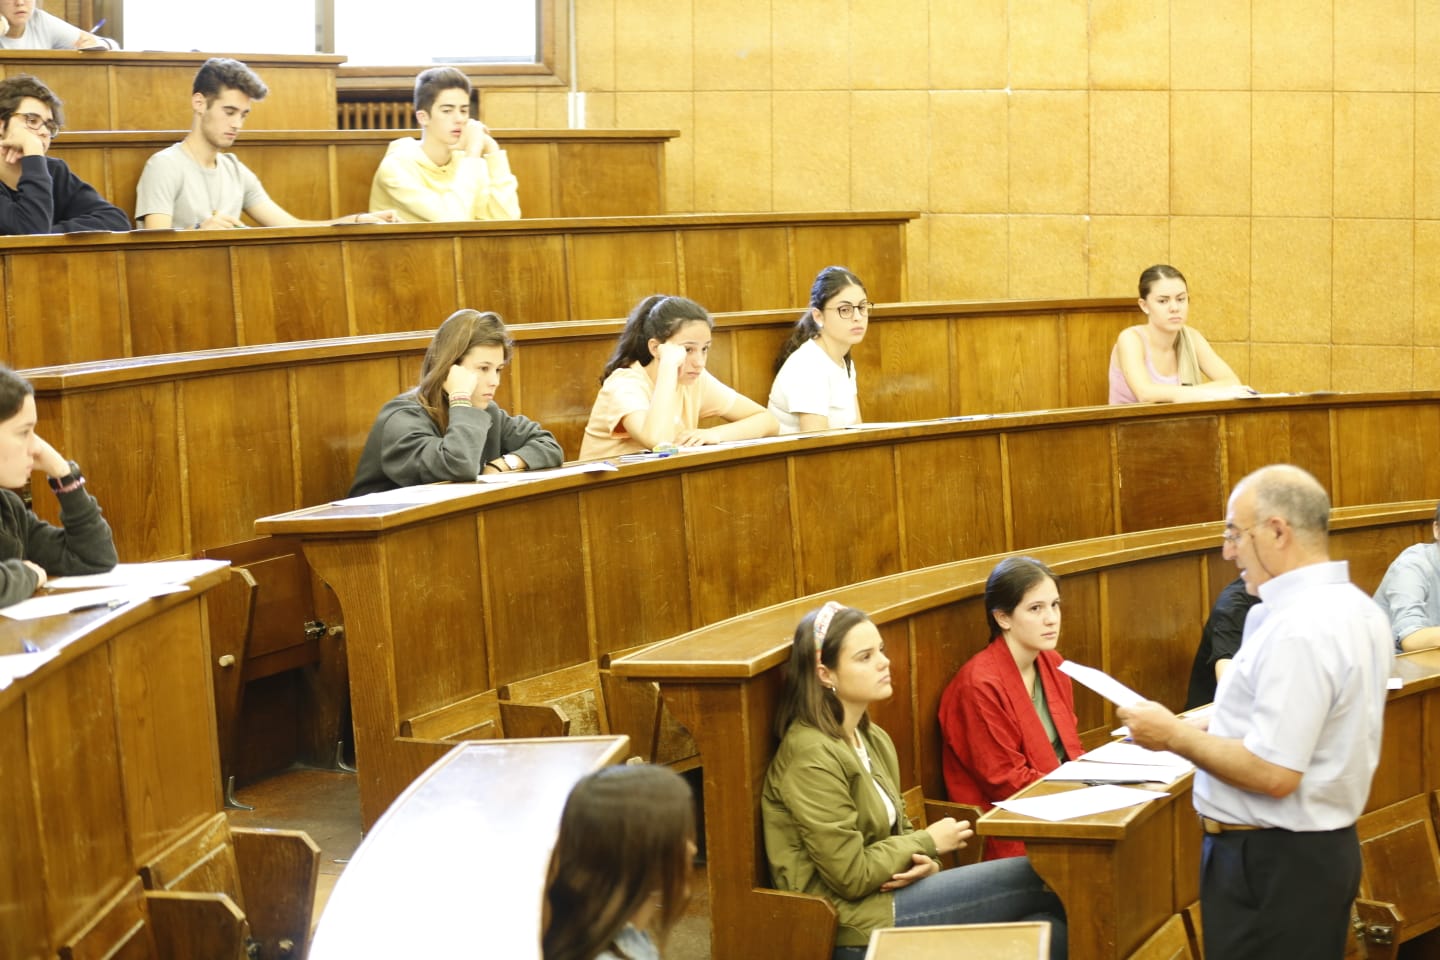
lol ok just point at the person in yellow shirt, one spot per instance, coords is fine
(456, 170)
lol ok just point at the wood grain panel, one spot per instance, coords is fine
(180, 299)
(1399, 436)
(303, 189)
(742, 269)
(898, 713)
(894, 385)
(78, 790)
(721, 364)
(522, 278)
(291, 291)
(1083, 640)
(944, 638)
(743, 559)
(401, 283)
(540, 626)
(159, 91)
(1255, 440)
(837, 495)
(421, 640)
(335, 406)
(1005, 364)
(874, 253)
(624, 522)
(534, 167)
(1153, 619)
(1060, 485)
(1401, 773)
(65, 307)
(122, 177)
(355, 166)
(89, 165)
(753, 356)
(608, 179)
(302, 97)
(1089, 338)
(1151, 455)
(240, 467)
(558, 385)
(163, 689)
(952, 495)
(22, 904)
(128, 441)
(82, 87)
(611, 272)
(1370, 552)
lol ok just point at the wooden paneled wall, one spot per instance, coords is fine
(125, 90)
(107, 754)
(69, 299)
(663, 547)
(321, 174)
(1133, 605)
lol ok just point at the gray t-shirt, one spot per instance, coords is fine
(43, 32)
(173, 183)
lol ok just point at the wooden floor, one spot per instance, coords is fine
(326, 805)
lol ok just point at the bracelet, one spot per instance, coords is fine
(459, 399)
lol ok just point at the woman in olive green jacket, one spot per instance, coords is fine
(834, 822)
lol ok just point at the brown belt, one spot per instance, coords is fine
(1215, 826)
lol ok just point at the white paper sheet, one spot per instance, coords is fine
(126, 574)
(1079, 803)
(1102, 683)
(525, 476)
(13, 666)
(54, 604)
(1088, 771)
(426, 493)
(1118, 751)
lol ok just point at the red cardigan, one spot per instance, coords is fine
(994, 744)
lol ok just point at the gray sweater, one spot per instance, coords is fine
(406, 447)
(82, 544)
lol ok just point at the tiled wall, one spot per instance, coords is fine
(1284, 153)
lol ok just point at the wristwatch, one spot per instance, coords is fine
(513, 462)
(72, 481)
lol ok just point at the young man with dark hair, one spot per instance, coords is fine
(1410, 594)
(39, 194)
(195, 185)
(456, 170)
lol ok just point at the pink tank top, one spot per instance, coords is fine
(1120, 391)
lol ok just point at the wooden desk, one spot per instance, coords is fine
(130, 90)
(72, 298)
(320, 174)
(723, 681)
(992, 941)
(107, 754)
(456, 866)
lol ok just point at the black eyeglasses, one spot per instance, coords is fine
(37, 123)
(847, 310)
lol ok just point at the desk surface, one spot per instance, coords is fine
(990, 941)
(456, 866)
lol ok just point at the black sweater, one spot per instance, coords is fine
(51, 199)
(82, 545)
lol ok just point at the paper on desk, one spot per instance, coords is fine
(523, 476)
(126, 574)
(1395, 683)
(13, 666)
(425, 493)
(54, 604)
(1079, 803)
(1102, 683)
(1103, 772)
(1117, 751)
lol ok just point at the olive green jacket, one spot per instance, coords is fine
(826, 831)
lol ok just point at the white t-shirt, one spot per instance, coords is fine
(810, 382)
(44, 32)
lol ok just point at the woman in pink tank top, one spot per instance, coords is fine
(1164, 359)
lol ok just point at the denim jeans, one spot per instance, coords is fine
(995, 891)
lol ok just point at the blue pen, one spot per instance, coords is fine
(29, 646)
(99, 25)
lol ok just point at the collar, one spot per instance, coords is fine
(1288, 586)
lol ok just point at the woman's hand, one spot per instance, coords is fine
(47, 458)
(923, 867)
(950, 834)
(694, 438)
(670, 355)
(40, 574)
(461, 380)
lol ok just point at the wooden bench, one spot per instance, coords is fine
(1400, 884)
(992, 941)
(150, 90)
(320, 174)
(471, 839)
(93, 797)
(728, 673)
(1170, 942)
(155, 292)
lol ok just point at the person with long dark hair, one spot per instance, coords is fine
(815, 383)
(1165, 359)
(834, 820)
(620, 873)
(1007, 717)
(449, 426)
(31, 550)
(655, 389)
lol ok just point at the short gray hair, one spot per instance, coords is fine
(1293, 494)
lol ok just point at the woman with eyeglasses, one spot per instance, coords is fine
(834, 820)
(1165, 359)
(655, 389)
(814, 386)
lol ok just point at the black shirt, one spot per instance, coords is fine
(1220, 640)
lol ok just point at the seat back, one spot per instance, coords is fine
(575, 690)
(120, 930)
(1400, 881)
(474, 718)
(923, 812)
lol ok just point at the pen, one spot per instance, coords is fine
(104, 605)
(98, 25)
(29, 646)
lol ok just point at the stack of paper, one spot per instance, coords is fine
(1120, 762)
(1078, 803)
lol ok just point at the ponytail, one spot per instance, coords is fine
(654, 318)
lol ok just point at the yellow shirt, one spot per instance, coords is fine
(466, 188)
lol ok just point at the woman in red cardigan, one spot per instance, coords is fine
(1008, 716)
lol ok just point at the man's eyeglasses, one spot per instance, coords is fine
(1234, 536)
(847, 310)
(37, 123)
